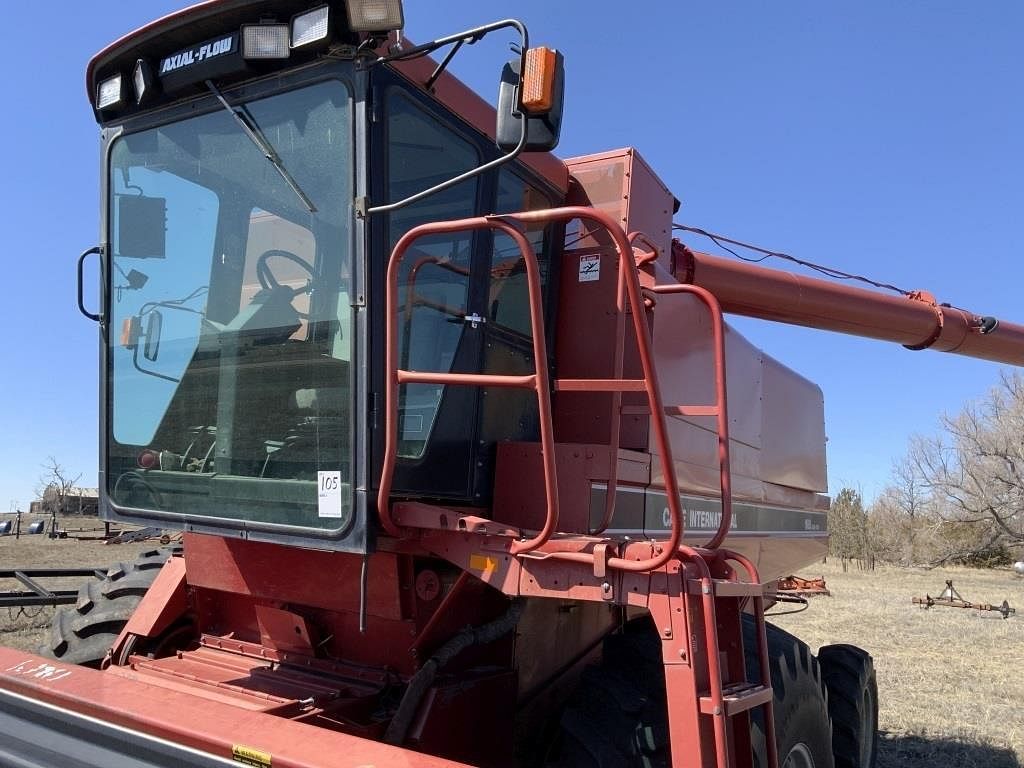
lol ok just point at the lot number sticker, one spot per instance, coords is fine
(328, 486)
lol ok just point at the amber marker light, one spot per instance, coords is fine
(130, 332)
(539, 80)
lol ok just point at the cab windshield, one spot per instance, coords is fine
(230, 314)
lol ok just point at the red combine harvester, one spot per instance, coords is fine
(446, 424)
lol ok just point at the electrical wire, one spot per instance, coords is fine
(803, 602)
(836, 274)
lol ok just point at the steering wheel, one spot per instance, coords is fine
(266, 276)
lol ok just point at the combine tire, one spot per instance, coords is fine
(84, 632)
(802, 731)
(849, 674)
(617, 717)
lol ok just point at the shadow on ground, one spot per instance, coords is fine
(903, 750)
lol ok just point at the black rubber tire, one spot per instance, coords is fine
(84, 632)
(617, 717)
(800, 702)
(849, 674)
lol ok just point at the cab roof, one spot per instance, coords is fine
(184, 28)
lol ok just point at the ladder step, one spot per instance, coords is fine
(691, 410)
(600, 385)
(738, 697)
(724, 588)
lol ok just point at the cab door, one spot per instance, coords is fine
(439, 290)
(463, 305)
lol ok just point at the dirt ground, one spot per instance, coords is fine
(951, 682)
(25, 628)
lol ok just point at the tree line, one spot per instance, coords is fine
(957, 497)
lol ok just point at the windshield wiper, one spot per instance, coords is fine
(244, 119)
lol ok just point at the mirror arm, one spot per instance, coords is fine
(140, 369)
(471, 36)
(440, 68)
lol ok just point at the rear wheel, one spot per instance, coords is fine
(849, 674)
(618, 715)
(802, 731)
(84, 632)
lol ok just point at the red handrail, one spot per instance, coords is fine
(538, 381)
(629, 280)
(720, 408)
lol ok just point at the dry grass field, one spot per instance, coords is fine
(951, 681)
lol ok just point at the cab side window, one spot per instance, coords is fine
(509, 298)
(434, 281)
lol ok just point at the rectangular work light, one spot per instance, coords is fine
(375, 15)
(265, 41)
(310, 27)
(110, 93)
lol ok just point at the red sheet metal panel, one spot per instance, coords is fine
(622, 184)
(793, 433)
(199, 723)
(298, 576)
(519, 467)
(165, 601)
(776, 416)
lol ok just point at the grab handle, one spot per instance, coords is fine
(97, 249)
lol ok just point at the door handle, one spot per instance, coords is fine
(97, 249)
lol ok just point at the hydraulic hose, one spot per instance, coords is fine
(420, 683)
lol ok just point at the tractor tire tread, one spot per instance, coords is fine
(848, 671)
(82, 633)
(616, 717)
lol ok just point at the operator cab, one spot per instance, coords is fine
(244, 265)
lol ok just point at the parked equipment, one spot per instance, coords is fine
(447, 426)
(795, 585)
(38, 593)
(950, 598)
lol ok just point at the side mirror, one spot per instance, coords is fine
(141, 227)
(536, 94)
(154, 325)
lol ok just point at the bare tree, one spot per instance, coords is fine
(973, 473)
(901, 518)
(55, 486)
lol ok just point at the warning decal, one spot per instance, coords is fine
(590, 268)
(249, 756)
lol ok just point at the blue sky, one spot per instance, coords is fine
(878, 137)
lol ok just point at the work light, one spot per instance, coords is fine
(310, 27)
(375, 15)
(265, 41)
(110, 93)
